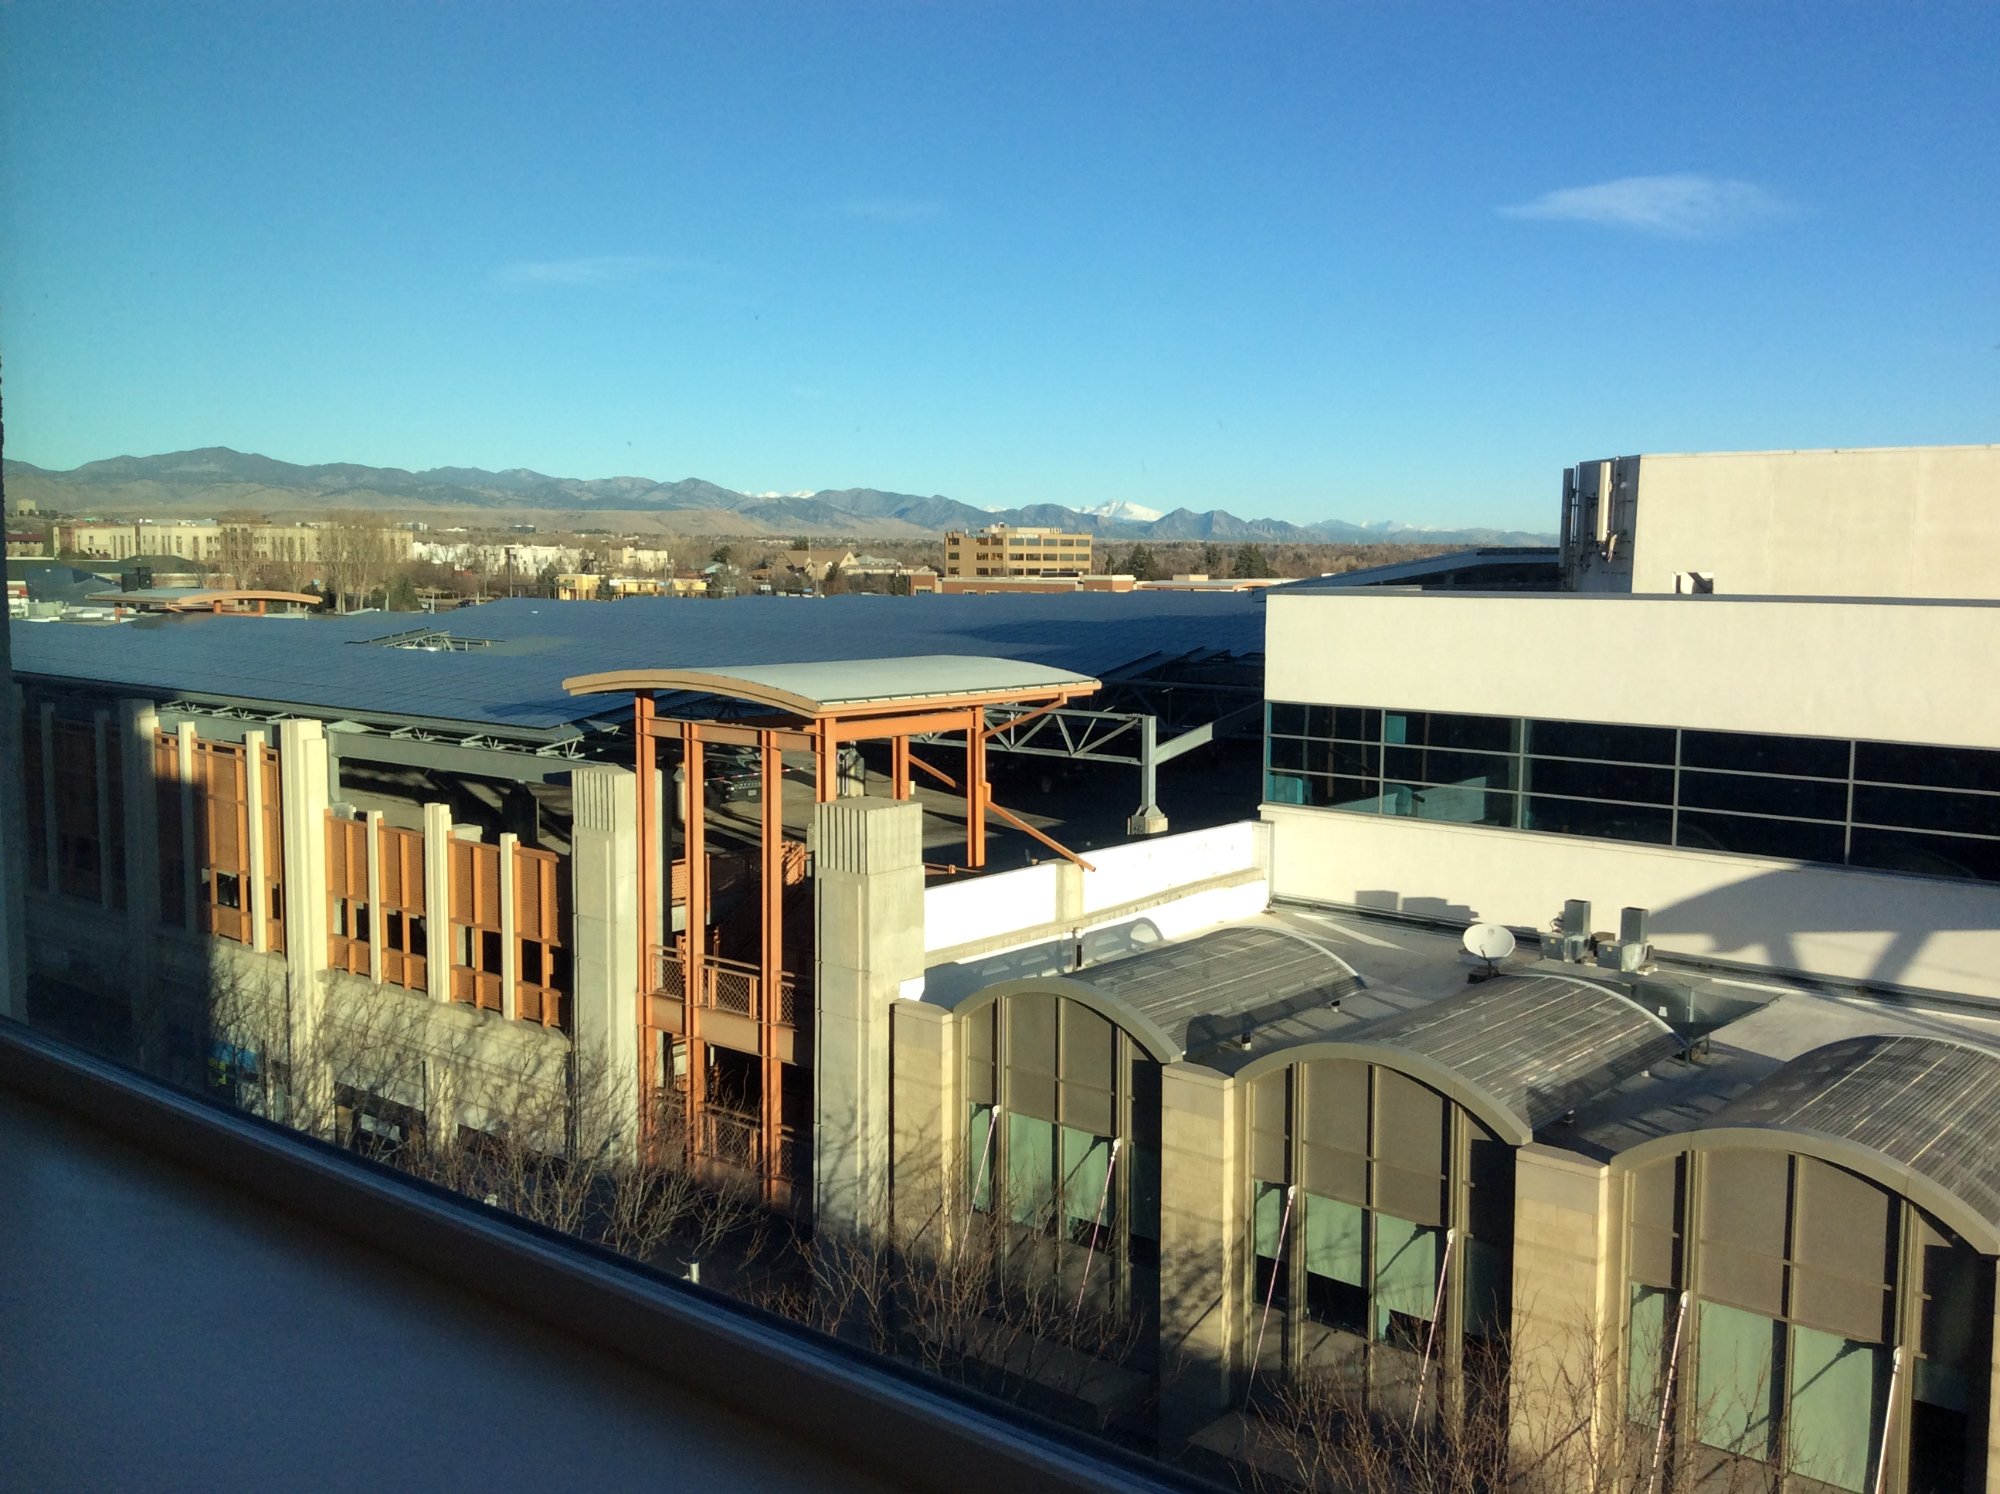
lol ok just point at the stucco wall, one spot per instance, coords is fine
(1827, 921)
(1895, 671)
(1888, 522)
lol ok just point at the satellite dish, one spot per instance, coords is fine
(1489, 941)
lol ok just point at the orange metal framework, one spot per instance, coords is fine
(683, 987)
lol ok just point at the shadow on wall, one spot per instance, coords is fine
(1763, 918)
(947, 984)
(1441, 910)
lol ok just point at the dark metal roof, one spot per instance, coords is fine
(1930, 1106)
(1502, 567)
(321, 665)
(1222, 986)
(1522, 1051)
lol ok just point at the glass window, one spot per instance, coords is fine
(1927, 767)
(1268, 1224)
(1619, 744)
(1837, 1399)
(1440, 765)
(1031, 1181)
(1926, 855)
(1601, 781)
(1406, 1278)
(1086, 1185)
(1440, 729)
(1336, 1283)
(1284, 788)
(1601, 821)
(1353, 724)
(1927, 809)
(979, 1157)
(1464, 806)
(1287, 719)
(1749, 752)
(1737, 1384)
(1797, 798)
(1792, 840)
(1650, 1341)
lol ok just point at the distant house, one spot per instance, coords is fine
(812, 566)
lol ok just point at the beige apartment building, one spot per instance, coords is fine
(212, 543)
(1003, 550)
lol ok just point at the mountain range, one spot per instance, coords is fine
(215, 480)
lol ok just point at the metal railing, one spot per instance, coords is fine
(730, 1137)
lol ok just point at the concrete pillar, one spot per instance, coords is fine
(1204, 1277)
(441, 942)
(604, 940)
(190, 840)
(136, 727)
(1147, 818)
(928, 1108)
(869, 908)
(1069, 893)
(510, 949)
(1568, 1307)
(303, 796)
(253, 819)
(376, 917)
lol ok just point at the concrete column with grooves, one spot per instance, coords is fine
(869, 899)
(604, 937)
(439, 941)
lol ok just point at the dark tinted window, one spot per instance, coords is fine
(1438, 729)
(1601, 780)
(1602, 821)
(1939, 767)
(1432, 765)
(1806, 798)
(1927, 809)
(1798, 840)
(1287, 719)
(1926, 855)
(1350, 723)
(1622, 744)
(1748, 752)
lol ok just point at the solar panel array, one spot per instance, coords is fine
(1927, 1103)
(1541, 1046)
(327, 665)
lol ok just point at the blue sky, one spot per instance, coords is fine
(1307, 261)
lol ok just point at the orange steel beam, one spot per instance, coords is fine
(939, 774)
(736, 734)
(1027, 829)
(696, 834)
(899, 767)
(910, 723)
(645, 759)
(977, 791)
(772, 875)
(826, 777)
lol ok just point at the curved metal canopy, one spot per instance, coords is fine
(854, 687)
(1919, 1115)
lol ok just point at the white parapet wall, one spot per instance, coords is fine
(1872, 928)
(1042, 919)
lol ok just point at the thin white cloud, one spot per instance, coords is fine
(593, 269)
(889, 209)
(1684, 206)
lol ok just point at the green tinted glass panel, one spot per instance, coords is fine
(1086, 1163)
(979, 1157)
(1333, 1239)
(1406, 1270)
(1654, 1310)
(1030, 1169)
(1268, 1216)
(1836, 1418)
(1736, 1386)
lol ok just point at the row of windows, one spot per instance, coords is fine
(1888, 806)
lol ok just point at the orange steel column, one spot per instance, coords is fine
(899, 767)
(644, 757)
(696, 841)
(772, 954)
(976, 789)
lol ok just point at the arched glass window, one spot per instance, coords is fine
(1381, 1219)
(1791, 1317)
(1062, 1142)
